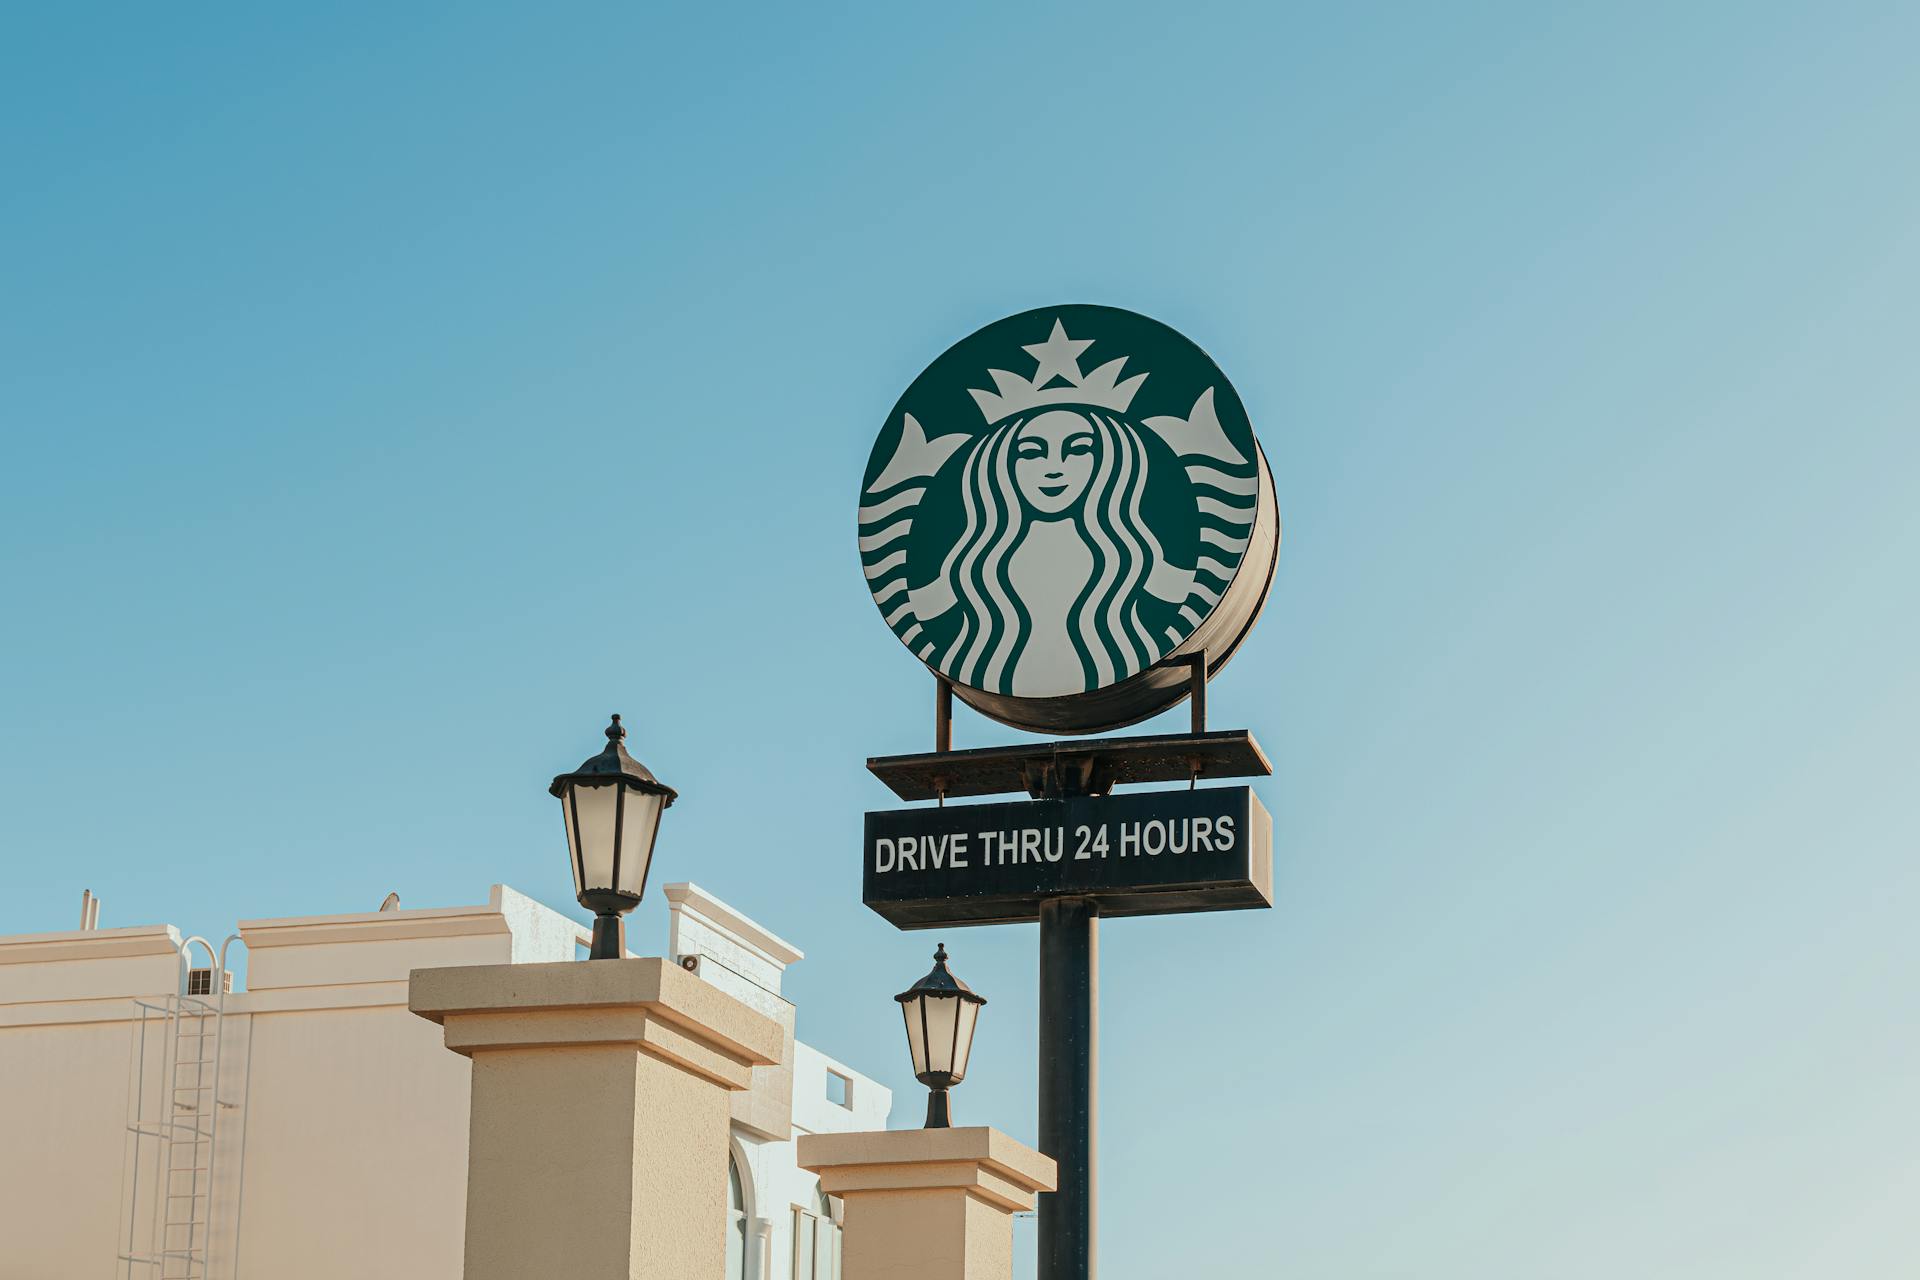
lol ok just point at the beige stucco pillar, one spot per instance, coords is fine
(597, 1144)
(927, 1204)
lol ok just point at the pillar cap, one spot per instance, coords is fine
(979, 1160)
(647, 1002)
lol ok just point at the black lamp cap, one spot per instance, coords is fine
(940, 983)
(614, 763)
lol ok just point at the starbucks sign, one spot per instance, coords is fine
(1058, 507)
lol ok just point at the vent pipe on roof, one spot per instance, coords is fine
(89, 910)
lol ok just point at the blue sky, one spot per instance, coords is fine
(388, 394)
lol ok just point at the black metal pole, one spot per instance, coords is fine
(939, 1116)
(609, 938)
(1069, 1083)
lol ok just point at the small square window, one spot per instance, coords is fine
(839, 1090)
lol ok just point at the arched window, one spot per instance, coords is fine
(736, 1220)
(816, 1239)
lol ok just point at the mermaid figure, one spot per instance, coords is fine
(1048, 570)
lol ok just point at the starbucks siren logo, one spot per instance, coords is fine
(1061, 502)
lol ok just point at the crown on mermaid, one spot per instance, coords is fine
(1059, 362)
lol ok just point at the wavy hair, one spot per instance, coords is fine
(1104, 621)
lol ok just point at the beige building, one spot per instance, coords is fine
(307, 1125)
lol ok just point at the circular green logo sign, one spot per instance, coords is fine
(1060, 506)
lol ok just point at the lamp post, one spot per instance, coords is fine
(612, 805)
(941, 1012)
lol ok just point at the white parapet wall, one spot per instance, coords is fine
(342, 1146)
(353, 1104)
(65, 1006)
(343, 1139)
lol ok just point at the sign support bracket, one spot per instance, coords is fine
(1197, 689)
(942, 730)
(942, 715)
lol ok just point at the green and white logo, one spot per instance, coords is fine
(1058, 505)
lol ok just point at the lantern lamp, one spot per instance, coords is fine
(612, 805)
(941, 1012)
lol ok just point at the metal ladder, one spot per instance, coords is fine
(173, 1129)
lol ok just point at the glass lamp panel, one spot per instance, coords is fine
(969, 1012)
(916, 1035)
(942, 1020)
(639, 823)
(573, 838)
(595, 808)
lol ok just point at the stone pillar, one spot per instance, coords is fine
(598, 1138)
(927, 1204)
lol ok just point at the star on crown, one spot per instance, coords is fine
(1058, 359)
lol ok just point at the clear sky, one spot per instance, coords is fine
(389, 393)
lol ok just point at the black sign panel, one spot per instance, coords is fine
(1149, 853)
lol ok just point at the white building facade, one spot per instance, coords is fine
(153, 1125)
